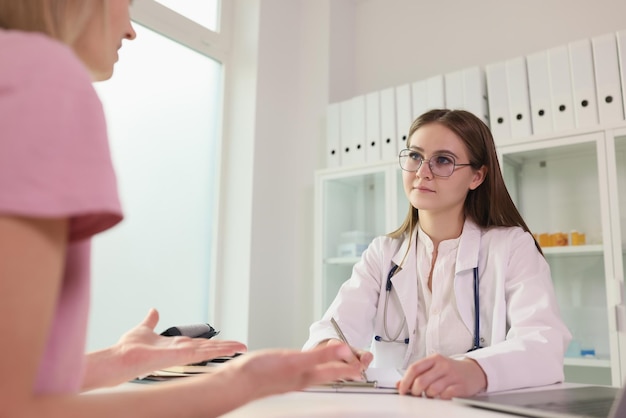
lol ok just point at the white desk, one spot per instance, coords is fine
(355, 405)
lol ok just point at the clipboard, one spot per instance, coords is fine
(381, 380)
(351, 387)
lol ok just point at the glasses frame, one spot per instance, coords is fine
(430, 166)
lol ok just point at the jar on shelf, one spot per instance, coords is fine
(559, 239)
(577, 238)
(545, 240)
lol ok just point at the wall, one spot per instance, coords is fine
(308, 53)
(231, 289)
(278, 70)
(400, 41)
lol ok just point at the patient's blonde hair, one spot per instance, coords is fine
(64, 20)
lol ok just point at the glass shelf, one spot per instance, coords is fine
(597, 249)
(342, 260)
(587, 362)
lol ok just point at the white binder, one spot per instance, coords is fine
(621, 48)
(519, 104)
(467, 90)
(403, 114)
(561, 89)
(539, 92)
(419, 98)
(475, 93)
(373, 138)
(358, 129)
(453, 86)
(333, 151)
(608, 93)
(345, 138)
(583, 83)
(497, 92)
(435, 92)
(389, 149)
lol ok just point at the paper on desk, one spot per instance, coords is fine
(187, 370)
(386, 377)
(204, 367)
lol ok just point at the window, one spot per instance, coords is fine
(204, 12)
(163, 108)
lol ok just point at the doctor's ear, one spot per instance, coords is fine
(479, 177)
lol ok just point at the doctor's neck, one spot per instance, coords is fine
(440, 226)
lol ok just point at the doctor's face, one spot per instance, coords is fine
(434, 147)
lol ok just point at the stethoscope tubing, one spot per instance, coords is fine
(389, 287)
(476, 345)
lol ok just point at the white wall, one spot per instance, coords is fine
(230, 296)
(399, 41)
(308, 53)
(279, 70)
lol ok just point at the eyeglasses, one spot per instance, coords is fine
(441, 165)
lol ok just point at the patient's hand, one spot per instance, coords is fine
(141, 351)
(363, 356)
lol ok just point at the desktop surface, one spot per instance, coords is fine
(307, 404)
(356, 405)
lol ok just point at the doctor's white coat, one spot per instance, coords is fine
(521, 330)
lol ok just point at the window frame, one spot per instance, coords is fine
(169, 23)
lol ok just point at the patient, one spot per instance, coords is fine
(58, 189)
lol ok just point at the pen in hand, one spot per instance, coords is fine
(345, 341)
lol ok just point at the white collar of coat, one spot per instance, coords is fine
(467, 254)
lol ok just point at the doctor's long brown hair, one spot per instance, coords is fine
(490, 203)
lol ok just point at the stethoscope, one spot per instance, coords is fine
(476, 343)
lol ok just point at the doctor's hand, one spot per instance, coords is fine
(438, 376)
(363, 357)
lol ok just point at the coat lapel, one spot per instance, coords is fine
(467, 259)
(405, 282)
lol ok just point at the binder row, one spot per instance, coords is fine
(373, 127)
(580, 84)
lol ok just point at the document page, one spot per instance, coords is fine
(385, 377)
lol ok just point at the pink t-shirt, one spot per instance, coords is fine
(55, 162)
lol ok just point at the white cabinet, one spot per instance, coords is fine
(576, 182)
(352, 206)
(560, 183)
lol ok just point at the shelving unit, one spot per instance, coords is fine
(561, 183)
(356, 201)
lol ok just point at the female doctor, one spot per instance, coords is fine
(460, 296)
